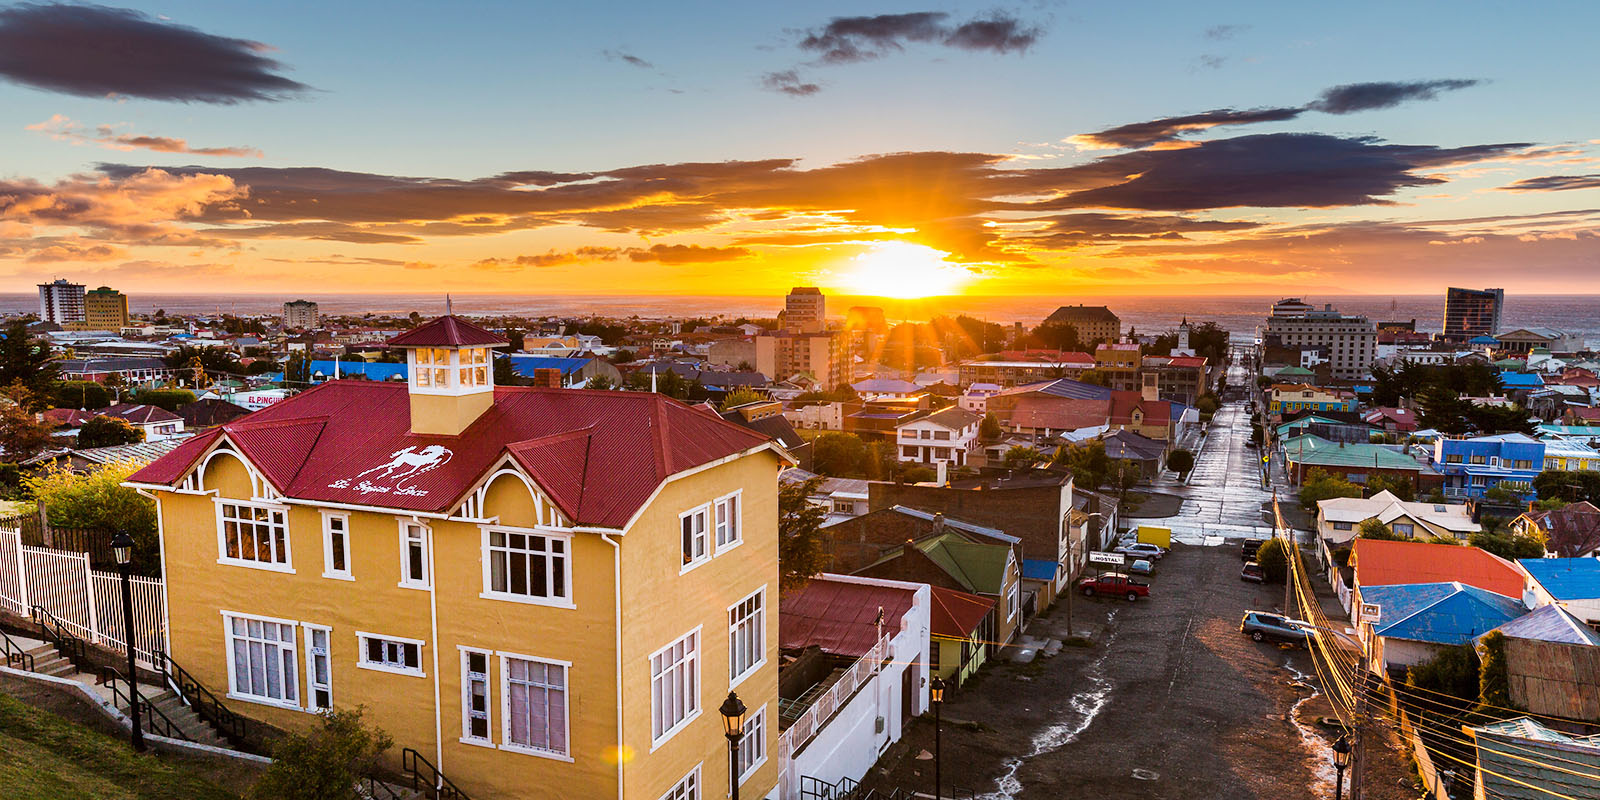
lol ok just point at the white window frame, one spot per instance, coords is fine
(1013, 602)
(328, 518)
(487, 740)
(760, 736)
(406, 580)
(734, 679)
(691, 663)
(688, 787)
(287, 565)
(505, 706)
(380, 666)
(705, 535)
(726, 521)
(311, 668)
(549, 535)
(290, 644)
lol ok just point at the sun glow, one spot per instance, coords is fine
(906, 270)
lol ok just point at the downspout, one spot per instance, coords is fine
(166, 608)
(616, 629)
(433, 620)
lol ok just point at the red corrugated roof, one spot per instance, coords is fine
(1038, 410)
(447, 331)
(956, 615)
(1379, 562)
(1156, 412)
(840, 617)
(599, 455)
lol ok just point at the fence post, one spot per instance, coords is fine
(88, 581)
(44, 526)
(22, 576)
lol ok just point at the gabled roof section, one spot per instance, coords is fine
(956, 615)
(351, 442)
(1565, 578)
(1440, 613)
(448, 331)
(1551, 623)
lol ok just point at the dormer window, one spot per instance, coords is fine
(442, 368)
(475, 366)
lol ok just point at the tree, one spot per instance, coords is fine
(989, 429)
(1274, 560)
(326, 763)
(1319, 485)
(1397, 485)
(838, 454)
(1096, 377)
(1453, 672)
(1180, 461)
(740, 396)
(21, 435)
(1019, 456)
(506, 375)
(602, 383)
(80, 394)
(211, 359)
(1056, 336)
(1124, 475)
(104, 431)
(1207, 404)
(25, 361)
(1088, 462)
(1375, 529)
(169, 399)
(1508, 545)
(97, 500)
(1494, 684)
(801, 551)
(1553, 484)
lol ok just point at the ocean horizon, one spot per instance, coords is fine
(1240, 314)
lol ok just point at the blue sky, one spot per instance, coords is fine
(470, 91)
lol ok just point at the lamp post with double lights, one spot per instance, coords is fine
(936, 690)
(1341, 760)
(733, 712)
(122, 548)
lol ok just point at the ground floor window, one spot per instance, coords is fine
(536, 705)
(752, 745)
(391, 654)
(261, 659)
(686, 789)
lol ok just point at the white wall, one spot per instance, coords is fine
(849, 744)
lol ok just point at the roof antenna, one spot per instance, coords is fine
(652, 378)
(447, 311)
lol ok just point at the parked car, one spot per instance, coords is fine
(1142, 567)
(1262, 625)
(1141, 550)
(1249, 548)
(1114, 584)
(1253, 572)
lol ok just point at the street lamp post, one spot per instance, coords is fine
(122, 547)
(1341, 760)
(937, 690)
(733, 712)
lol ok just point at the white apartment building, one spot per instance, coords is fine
(301, 314)
(1351, 342)
(946, 435)
(61, 302)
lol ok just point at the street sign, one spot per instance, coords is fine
(1371, 612)
(1107, 558)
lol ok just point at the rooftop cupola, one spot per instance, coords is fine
(451, 367)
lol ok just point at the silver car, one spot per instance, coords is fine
(1262, 625)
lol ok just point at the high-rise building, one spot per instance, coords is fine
(1349, 343)
(300, 314)
(105, 309)
(1469, 313)
(805, 310)
(824, 355)
(61, 302)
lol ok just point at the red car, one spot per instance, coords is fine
(1114, 584)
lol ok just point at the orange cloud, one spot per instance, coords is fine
(62, 128)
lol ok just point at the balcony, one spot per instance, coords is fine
(804, 717)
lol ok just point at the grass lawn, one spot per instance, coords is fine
(43, 756)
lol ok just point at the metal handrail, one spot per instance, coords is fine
(374, 789)
(55, 631)
(228, 724)
(15, 654)
(147, 709)
(438, 787)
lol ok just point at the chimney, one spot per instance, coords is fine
(547, 377)
(938, 522)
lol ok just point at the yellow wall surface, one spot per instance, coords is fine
(657, 605)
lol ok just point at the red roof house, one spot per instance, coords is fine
(1381, 563)
(955, 614)
(841, 617)
(448, 331)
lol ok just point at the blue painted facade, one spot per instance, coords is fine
(1471, 467)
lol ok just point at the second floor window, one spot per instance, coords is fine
(727, 521)
(254, 534)
(336, 546)
(696, 547)
(746, 636)
(528, 566)
(413, 555)
(674, 686)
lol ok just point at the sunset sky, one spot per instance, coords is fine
(741, 148)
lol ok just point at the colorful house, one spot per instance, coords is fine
(1471, 467)
(951, 561)
(961, 632)
(484, 568)
(1287, 398)
(1418, 620)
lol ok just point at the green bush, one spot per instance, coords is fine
(81, 394)
(169, 399)
(1274, 560)
(324, 764)
(103, 431)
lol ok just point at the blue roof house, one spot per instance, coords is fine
(1471, 467)
(1418, 620)
(1572, 583)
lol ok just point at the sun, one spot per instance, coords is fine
(904, 270)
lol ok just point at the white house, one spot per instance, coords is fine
(945, 435)
(860, 708)
(976, 397)
(1339, 519)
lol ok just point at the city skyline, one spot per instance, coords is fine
(698, 150)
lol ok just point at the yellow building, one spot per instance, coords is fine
(105, 309)
(545, 593)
